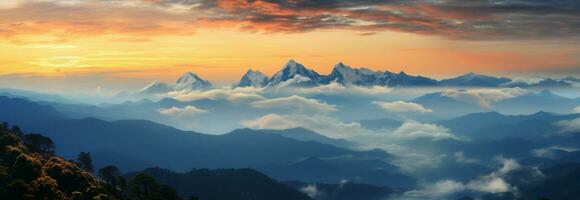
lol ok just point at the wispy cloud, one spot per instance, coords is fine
(402, 107)
(187, 111)
(569, 126)
(294, 102)
(473, 20)
(325, 125)
(494, 182)
(416, 130)
(483, 97)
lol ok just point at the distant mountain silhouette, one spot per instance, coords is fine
(187, 82)
(382, 123)
(297, 75)
(303, 134)
(475, 80)
(375, 172)
(496, 125)
(253, 78)
(225, 184)
(294, 74)
(165, 146)
(448, 106)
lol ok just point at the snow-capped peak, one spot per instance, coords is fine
(191, 81)
(187, 77)
(154, 88)
(253, 78)
(344, 74)
(291, 69)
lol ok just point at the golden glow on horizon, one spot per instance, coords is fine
(223, 55)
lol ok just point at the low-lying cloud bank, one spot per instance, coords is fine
(332, 88)
(402, 107)
(493, 182)
(325, 125)
(298, 103)
(569, 126)
(484, 97)
(187, 111)
(415, 130)
(235, 95)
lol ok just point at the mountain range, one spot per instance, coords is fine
(224, 184)
(295, 74)
(138, 144)
(187, 82)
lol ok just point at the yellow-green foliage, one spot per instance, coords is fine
(36, 175)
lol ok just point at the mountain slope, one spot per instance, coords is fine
(475, 80)
(496, 125)
(303, 134)
(292, 69)
(253, 79)
(189, 81)
(225, 184)
(29, 174)
(164, 146)
(335, 170)
(351, 76)
(155, 88)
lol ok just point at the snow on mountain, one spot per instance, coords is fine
(155, 88)
(545, 83)
(187, 82)
(253, 78)
(403, 79)
(191, 82)
(475, 80)
(294, 74)
(351, 76)
(296, 81)
(291, 69)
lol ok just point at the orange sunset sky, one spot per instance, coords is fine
(127, 43)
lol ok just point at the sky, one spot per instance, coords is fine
(124, 44)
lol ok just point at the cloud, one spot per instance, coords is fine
(436, 190)
(235, 95)
(187, 111)
(402, 107)
(551, 151)
(569, 126)
(311, 190)
(295, 81)
(483, 97)
(415, 130)
(577, 109)
(460, 158)
(493, 182)
(301, 104)
(334, 89)
(473, 20)
(324, 125)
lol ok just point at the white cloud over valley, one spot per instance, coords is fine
(483, 97)
(325, 125)
(402, 107)
(416, 130)
(298, 103)
(187, 111)
(569, 126)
